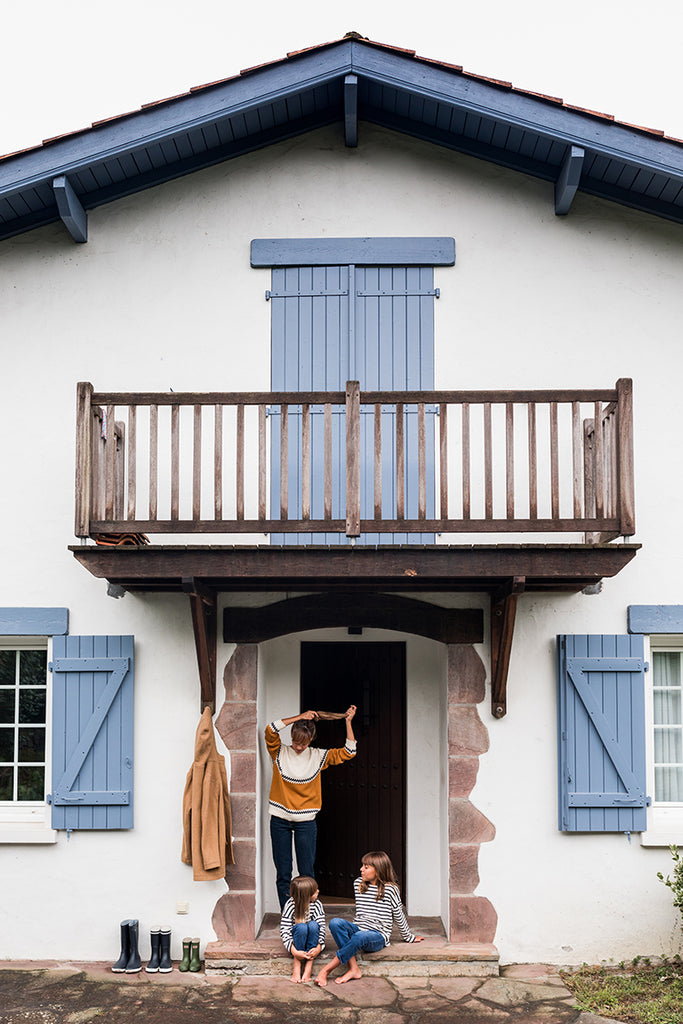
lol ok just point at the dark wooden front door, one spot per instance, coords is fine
(363, 804)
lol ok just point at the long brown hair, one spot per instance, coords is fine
(301, 889)
(384, 871)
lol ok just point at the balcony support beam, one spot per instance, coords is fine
(568, 181)
(204, 618)
(503, 613)
(70, 210)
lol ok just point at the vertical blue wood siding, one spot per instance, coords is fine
(92, 732)
(601, 733)
(371, 324)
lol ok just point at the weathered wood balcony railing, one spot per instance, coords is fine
(378, 462)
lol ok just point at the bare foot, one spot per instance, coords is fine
(307, 971)
(296, 973)
(352, 974)
(322, 978)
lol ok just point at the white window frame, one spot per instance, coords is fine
(664, 820)
(29, 821)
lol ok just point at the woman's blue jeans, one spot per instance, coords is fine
(350, 939)
(281, 833)
(305, 936)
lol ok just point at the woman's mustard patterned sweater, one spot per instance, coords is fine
(295, 792)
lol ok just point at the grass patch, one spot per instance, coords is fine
(640, 992)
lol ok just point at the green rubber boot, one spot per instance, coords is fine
(184, 964)
(195, 962)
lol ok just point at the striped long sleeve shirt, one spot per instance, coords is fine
(379, 915)
(316, 912)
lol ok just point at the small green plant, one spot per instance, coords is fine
(675, 883)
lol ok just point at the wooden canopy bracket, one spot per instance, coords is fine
(203, 606)
(503, 611)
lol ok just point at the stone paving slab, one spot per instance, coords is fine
(68, 993)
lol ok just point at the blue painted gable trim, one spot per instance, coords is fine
(34, 621)
(655, 618)
(366, 252)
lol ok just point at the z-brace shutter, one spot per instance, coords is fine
(92, 730)
(370, 324)
(601, 706)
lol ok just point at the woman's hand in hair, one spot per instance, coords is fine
(310, 715)
(350, 713)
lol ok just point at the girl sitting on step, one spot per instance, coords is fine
(302, 925)
(378, 906)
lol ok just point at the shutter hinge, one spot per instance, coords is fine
(648, 801)
(49, 667)
(628, 836)
(646, 666)
(48, 798)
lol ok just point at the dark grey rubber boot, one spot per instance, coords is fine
(134, 962)
(165, 964)
(120, 965)
(153, 965)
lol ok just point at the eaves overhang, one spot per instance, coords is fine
(346, 82)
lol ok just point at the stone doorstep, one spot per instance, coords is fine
(422, 959)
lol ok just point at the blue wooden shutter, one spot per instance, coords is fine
(601, 708)
(92, 732)
(371, 324)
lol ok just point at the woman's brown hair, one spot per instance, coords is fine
(301, 889)
(384, 870)
(303, 731)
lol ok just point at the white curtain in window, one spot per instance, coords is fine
(668, 727)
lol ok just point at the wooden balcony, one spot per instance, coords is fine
(367, 465)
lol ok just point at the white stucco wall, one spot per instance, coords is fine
(162, 296)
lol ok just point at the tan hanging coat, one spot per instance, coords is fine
(207, 821)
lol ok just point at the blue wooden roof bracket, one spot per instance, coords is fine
(71, 211)
(568, 181)
(351, 110)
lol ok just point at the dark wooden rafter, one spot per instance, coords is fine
(351, 110)
(568, 182)
(204, 623)
(503, 613)
(379, 611)
(70, 209)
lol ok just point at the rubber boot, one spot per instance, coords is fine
(184, 964)
(195, 962)
(120, 965)
(134, 962)
(165, 965)
(155, 938)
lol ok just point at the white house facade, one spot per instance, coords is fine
(490, 570)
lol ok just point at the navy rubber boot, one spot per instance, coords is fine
(134, 962)
(155, 939)
(120, 965)
(165, 964)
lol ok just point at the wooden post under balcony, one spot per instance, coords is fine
(625, 482)
(84, 467)
(352, 458)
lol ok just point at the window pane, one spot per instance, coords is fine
(668, 746)
(32, 744)
(667, 707)
(7, 706)
(7, 667)
(32, 706)
(31, 784)
(6, 777)
(32, 668)
(6, 744)
(669, 785)
(666, 667)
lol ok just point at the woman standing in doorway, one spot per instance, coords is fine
(296, 792)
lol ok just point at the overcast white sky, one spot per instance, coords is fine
(65, 64)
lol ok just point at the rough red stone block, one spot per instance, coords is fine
(468, 825)
(243, 806)
(462, 775)
(464, 869)
(243, 772)
(236, 724)
(466, 675)
(242, 874)
(467, 734)
(473, 919)
(241, 673)
(234, 917)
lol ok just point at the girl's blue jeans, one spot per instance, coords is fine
(350, 939)
(305, 936)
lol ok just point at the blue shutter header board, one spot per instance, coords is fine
(601, 733)
(92, 732)
(368, 252)
(655, 618)
(34, 621)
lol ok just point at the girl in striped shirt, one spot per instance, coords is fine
(378, 906)
(302, 925)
